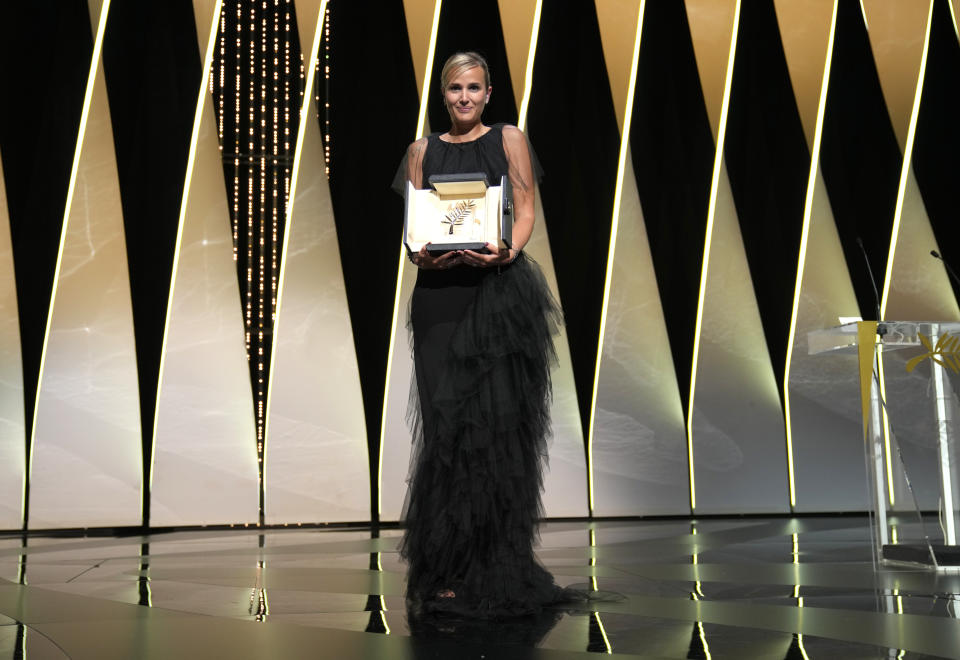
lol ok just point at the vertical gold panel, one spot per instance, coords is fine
(897, 38)
(422, 16)
(618, 29)
(12, 421)
(565, 483)
(821, 393)
(637, 441)
(419, 15)
(711, 28)
(316, 439)
(915, 286)
(517, 18)
(732, 454)
(86, 466)
(805, 29)
(736, 421)
(204, 460)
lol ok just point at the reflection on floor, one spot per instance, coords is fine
(733, 588)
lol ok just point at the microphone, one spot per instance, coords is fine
(936, 255)
(873, 282)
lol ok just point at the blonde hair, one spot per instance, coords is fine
(459, 62)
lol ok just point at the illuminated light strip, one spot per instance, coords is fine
(528, 75)
(953, 15)
(400, 262)
(428, 73)
(863, 10)
(897, 217)
(603, 633)
(801, 259)
(905, 169)
(310, 72)
(191, 158)
(803, 651)
(383, 618)
(711, 211)
(886, 426)
(77, 152)
(796, 545)
(611, 252)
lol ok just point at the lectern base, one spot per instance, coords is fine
(918, 553)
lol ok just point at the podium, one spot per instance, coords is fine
(909, 383)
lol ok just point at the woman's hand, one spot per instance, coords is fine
(423, 259)
(497, 257)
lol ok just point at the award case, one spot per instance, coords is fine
(458, 212)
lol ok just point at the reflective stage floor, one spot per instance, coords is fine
(731, 588)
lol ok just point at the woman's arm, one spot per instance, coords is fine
(520, 173)
(521, 178)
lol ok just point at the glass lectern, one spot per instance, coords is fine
(909, 380)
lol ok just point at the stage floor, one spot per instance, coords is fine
(730, 588)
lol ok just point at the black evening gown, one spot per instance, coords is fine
(483, 348)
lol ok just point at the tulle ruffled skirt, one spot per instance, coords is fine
(483, 348)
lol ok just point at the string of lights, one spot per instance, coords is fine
(258, 93)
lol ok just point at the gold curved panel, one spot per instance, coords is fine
(618, 30)
(316, 464)
(821, 394)
(639, 455)
(517, 18)
(12, 416)
(204, 460)
(805, 29)
(565, 483)
(736, 422)
(637, 439)
(712, 24)
(419, 15)
(915, 286)
(86, 466)
(897, 38)
(736, 459)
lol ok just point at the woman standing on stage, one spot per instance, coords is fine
(482, 329)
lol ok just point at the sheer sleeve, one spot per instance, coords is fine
(523, 177)
(411, 167)
(524, 168)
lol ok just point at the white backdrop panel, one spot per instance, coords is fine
(86, 466)
(12, 423)
(316, 443)
(204, 460)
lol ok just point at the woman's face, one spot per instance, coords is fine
(466, 95)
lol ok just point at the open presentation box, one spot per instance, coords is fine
(458, 212)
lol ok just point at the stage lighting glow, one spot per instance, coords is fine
(711, 211)
(801, 258)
